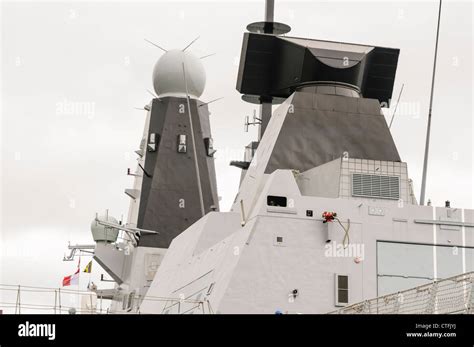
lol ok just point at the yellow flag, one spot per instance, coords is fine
(88, 267)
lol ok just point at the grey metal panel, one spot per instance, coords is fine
(307, 137)
(325, 102)
(111, 260)
(170, 199)
(304, 100)
(321, 181)
(368, 106)
(157, 119)
(204, 113)
(344, 104)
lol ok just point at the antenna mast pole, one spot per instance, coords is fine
(266, 103)
(269, 10)
(269, 27)
(428, 130)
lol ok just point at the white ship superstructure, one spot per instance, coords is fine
(325, 215)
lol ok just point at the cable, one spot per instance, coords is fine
(346, 239)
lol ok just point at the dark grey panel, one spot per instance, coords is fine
(157, 120)
(170, 198)
(312, 137)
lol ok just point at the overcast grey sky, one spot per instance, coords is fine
(72, 73)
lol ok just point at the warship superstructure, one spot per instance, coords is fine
(325, 214)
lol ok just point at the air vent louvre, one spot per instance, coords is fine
(376, 186)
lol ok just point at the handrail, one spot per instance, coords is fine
(447, 296)
(36, 298)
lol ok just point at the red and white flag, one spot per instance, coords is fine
(72, 279)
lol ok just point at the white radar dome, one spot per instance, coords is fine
(168, 79)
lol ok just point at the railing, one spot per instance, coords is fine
(454, 295)
(16, 299)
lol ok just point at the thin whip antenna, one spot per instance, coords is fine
(152, 94)
(185, 48)
(428, 128)
(154, 44)
(198, 176)
(206, 56)
(210, 102)
(395, 111)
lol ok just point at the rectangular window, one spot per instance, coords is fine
(341, 290)
(276, 201)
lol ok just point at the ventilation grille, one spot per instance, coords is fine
(375, 186)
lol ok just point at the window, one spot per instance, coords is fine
(276, 201)
(341, 290)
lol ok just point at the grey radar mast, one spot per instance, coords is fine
(174, 183)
